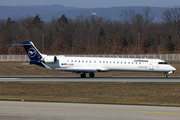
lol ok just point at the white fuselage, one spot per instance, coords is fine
(90, 65)
(110, 64)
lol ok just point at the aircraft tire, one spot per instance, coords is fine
(91, 74)
(165, 75)
(83, 75)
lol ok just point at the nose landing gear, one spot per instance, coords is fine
(165, 75)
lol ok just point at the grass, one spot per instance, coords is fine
(117, 93)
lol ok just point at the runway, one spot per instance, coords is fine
(67, 111)
(95, 79)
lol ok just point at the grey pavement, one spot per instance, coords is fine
(13, 110)
(95, 79)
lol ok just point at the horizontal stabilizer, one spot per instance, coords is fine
(23, 43)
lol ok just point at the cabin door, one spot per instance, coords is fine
(151, 66)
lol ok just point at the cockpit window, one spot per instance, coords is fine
(162, 63)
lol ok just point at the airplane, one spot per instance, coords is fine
(83, 65)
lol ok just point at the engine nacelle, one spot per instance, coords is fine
(50, 59)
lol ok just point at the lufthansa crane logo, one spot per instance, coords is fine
(31, 52)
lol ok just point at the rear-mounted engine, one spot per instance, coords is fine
(50, 59)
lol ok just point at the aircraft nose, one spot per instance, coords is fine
(173, 69)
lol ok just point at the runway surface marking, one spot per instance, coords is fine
(167, 113)
(9, 78)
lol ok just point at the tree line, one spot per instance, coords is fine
(95, 34)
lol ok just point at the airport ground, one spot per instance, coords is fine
(111, 93)
(115, 93)
(13, 110)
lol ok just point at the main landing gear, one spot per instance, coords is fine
(91, 74)
(83, 75)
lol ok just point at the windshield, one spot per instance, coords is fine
(162, 63)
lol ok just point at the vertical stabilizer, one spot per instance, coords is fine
(32, 52)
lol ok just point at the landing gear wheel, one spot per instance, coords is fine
(83, 75)
(165, 75)
(91, 74)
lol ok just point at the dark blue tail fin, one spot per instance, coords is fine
(32, 52)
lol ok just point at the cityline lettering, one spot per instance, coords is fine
(140, 60)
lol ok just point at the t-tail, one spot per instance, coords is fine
(34, 55)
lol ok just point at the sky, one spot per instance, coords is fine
(93, 3)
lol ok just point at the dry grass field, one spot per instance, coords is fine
(116, 93)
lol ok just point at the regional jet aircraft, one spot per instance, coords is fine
(90, 65)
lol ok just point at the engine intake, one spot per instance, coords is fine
(50, 59)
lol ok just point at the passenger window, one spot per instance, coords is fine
(79, 61)
(132, 63)
(99, 61)
(94, 61)
(118, 62)
(114, 62)
(106, 61)
(128, 62)
(139, 62)
(103, 61)
(124, 62)
(121, 62)
(71, 60)
(83, 61)
(75, 60)
(67, 60)
(89, 61)
(110, 62)
(86, 61)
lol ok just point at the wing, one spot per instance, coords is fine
(77, 69)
